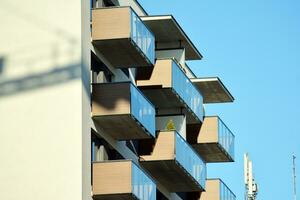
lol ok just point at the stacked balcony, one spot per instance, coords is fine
(119, 180)
(170, 90)
(122, 38)
(216, 189)
(122, 111)
(170, 35)
(213, 90)
(214, 142)
(174, 164)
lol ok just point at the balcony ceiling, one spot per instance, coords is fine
(169, 35)
(213, 90)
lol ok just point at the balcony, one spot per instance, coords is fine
(122, 111)
(214, 142)
(217, 190)
(123, 39)
(170, 89)
(213, 90)
(118, 180)
(169, 35)
(174, 164)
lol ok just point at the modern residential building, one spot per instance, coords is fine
(99, 103)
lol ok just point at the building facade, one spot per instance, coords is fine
(99, 103)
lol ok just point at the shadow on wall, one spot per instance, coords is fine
(28, 66)
(53, 77)
(2, 62)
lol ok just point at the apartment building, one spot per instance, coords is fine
(99, 103)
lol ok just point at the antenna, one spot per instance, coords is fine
(251, 188)
(294, 176)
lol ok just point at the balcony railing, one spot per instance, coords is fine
(225, 192)
(190, 160)
(216, 189)
(122, 37)
(123, 111)
(226, 138)
(170, 88)
(213, 141)
(142, 37)
(121, 179)
(187, 91)
(175, 164)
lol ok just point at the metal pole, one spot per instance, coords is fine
(294, 177)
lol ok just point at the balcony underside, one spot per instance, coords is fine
(121, 127)
(171, 175)
(212, 153)
(115, 197)
(122, 53)
(166, 98)
(213, 90)
(169, 35)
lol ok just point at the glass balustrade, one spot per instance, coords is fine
(225, 192)
(142, 186)
(142, 37)
(226, 138)
(190, 160)
(142, 110)
(187, 91)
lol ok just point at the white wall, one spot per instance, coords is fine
(134, 5)
(43, 148)
(178, 54)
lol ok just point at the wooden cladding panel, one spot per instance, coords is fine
(209, 130)
(212, 190)
(161, 75)
(111, 99)
(112, 178)
(164, 148)
(110, 23)
(161, 165)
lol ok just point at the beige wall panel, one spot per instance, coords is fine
(111, 23)
(164, 148)
(112, 178)
(161, 75)
(212, 190)
(111, 99)
(209, 130)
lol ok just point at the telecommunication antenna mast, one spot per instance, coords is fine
(251, 188)
(294, 177)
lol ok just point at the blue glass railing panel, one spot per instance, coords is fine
(226, 138)
(190, 160)
(142, 110)
(225, 192)
(142, 37)
(142, 186)
(187, 91)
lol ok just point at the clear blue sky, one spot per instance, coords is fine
(254, 47)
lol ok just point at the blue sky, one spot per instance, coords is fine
(254, 47)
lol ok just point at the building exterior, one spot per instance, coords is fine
(99, 103)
